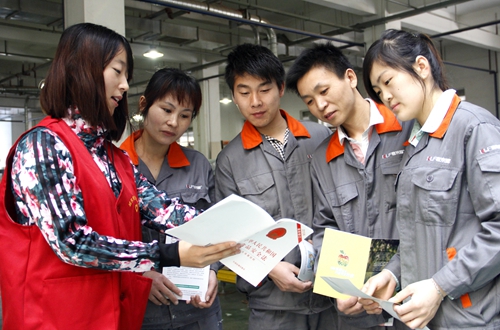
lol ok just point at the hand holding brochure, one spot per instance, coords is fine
(265, 241)
(350, 256)
(191, 281)
(346, 287)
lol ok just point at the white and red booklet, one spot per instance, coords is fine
(234, 218)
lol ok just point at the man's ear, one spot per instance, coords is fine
(282, 89)
(232, 97)
(352, 77)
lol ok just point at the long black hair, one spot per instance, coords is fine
(399, 49)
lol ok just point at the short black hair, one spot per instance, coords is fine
(176, 83)
(320, 55)
(255, 60)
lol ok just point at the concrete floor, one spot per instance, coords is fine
(234, 307)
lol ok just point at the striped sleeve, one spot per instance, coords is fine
(46, 194)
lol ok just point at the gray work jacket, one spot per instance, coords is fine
(359, 198)
(249, 166)
(187, 174)
(449, 216)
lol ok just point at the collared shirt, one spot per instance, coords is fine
(277, 144)
(435, 118)
(175, 156)
(251, 137)
(185, 173)
(251, 168)
(360, 147)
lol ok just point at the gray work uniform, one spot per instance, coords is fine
(359, 198)
(448, 196)
(249, 166)
(187, 174)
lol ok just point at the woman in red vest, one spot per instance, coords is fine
(71, 203)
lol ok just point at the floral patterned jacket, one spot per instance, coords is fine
(72, 239)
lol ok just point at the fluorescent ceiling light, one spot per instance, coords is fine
(153, 53)
(225, 100)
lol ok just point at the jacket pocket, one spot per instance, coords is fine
(488, 163)
(390, 168)
(134, 295)
(389, 171)
(343, 210)
(483, 312)
(261, 190)
(390, 163)
(436, 195)
(193, 197)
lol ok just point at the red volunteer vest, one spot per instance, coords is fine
(39, 291)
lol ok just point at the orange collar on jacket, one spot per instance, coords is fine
(251, 137)
(390, 124)
(175, 156)
(439, 133)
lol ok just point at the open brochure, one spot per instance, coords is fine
(346, 287)
(350, 256)
(265, 241)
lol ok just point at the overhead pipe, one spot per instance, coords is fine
(215, 11)
(18, 90)
(494, 73)
(10, 121)
(271, 36)
(301, 17)
(407, 13)
(472, 27)
(194, 6)
(15, 75)
(256, 38)
(382, 20)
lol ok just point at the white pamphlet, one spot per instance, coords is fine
(191, 281)
(343, 285)
(265, 241)
(308, 257)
